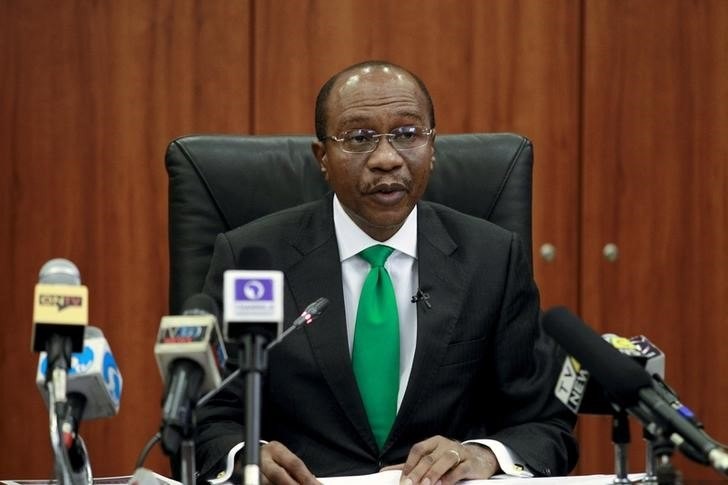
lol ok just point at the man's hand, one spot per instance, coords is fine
(279, 466)
(445, 461)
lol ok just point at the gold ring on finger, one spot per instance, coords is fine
(457, 455)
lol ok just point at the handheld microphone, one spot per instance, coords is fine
(253, 299)
(190, 355)
(630, 387)
(60, 313)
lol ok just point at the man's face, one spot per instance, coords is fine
(378, 189)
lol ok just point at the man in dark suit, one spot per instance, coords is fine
(461, 388)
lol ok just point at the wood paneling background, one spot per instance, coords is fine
(92, 92)
(624, 100)
(655, 177)
(490, 66)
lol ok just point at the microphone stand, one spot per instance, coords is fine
(68, 471)
(253, 362)
(178, 426)
(665, 473)
(187, 456)
(253, 348)
(650, 457)
(620, 438)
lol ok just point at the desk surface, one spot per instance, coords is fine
(392, 478)
(383, 478)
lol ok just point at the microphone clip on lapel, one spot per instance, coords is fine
(421, 296)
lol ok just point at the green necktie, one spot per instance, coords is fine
(375, 354)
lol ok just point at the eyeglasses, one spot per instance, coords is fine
(366, 141)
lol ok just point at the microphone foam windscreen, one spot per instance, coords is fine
(201, 303)
(620, 377)
(59, 271)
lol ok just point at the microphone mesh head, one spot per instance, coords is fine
(92, 332)
(59, 271)
(200, 304)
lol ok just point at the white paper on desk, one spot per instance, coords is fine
(392, 477)
(145, 476)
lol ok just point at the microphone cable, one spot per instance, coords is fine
(147, 448)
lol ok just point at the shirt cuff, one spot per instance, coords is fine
(510, 463)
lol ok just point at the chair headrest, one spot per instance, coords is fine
(218, 182)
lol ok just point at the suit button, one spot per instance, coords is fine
(380, 464)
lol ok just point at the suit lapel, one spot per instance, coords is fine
(440, 277)
(316, 273)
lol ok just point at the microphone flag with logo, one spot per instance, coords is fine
(253, 303)
(93, 374)
(60, 305)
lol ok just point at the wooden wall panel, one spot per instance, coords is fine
(490, 66)
(655, 178)
(92, 92)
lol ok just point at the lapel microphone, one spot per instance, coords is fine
(421, 296)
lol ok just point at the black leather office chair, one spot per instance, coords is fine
(218, 182)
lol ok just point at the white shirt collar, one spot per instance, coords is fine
(352, 240)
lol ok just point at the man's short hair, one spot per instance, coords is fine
(322, 99)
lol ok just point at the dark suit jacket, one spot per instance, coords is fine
(478, 370)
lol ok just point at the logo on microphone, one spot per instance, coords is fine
(571, 385)
(60, 301)
(252, 296)
(183, 334)
(112, 377)
(81, 362)
(254, 290)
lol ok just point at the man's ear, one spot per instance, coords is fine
(319, 151)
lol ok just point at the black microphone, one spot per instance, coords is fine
(190, 355)
(584, 396)
(629, 386)
(421, 296)
(307, 317)
(312, 311)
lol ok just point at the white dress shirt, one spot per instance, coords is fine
(402, 268)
